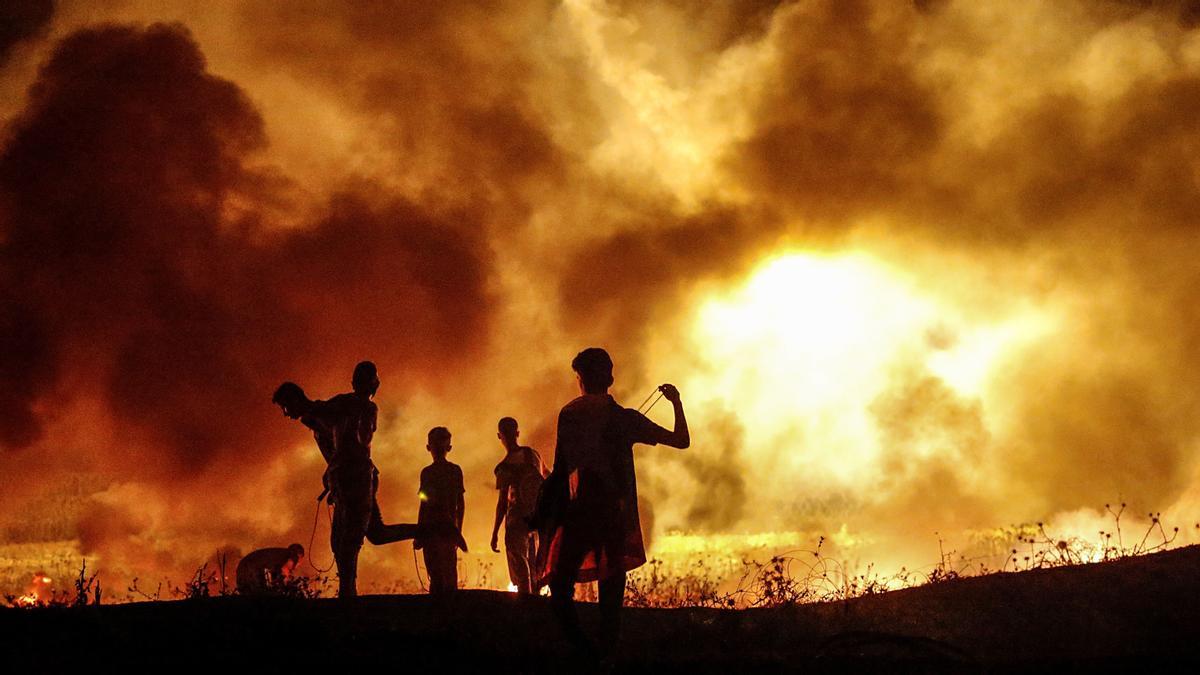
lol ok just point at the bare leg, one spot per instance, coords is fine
(441, 563)
(562, 594)
(612, 596)
(520, 556)
(378, 533)
(351, 515)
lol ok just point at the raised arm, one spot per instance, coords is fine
(679, 436)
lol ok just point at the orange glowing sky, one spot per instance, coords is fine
(915, 267)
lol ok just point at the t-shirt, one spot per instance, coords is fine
(595, 454)
(522, 479)
(596, 436)
(441, 487)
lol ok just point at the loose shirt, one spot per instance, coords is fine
(594, 453)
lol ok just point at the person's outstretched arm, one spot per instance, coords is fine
(501, 509)
(679, 436)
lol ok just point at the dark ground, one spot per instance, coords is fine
(1134, 615)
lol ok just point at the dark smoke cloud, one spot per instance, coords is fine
(1094, 187)
(29, 364)
(1187, 11)
(117, 182)
(841, 130)
(928, 436)
(446, 84)
(712, 26)
(720, 500)
(613, 288)
(141, 261)
(21, 20)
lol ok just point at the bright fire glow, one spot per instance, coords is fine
(39, 592)
(803, 348)
(27, 600)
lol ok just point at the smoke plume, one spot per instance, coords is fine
(916, 267)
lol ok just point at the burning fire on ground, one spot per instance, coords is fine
(39, 594)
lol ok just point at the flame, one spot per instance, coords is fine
(28, 600)
(807, 343)
(39, 592)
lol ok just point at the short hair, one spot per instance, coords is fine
(438, 433)
(507, 426)
(366, 377)
(297, 550)
(288, 391)
(595, 369)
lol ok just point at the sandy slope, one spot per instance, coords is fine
(1129, 614)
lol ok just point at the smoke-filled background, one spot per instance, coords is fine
(919, 269)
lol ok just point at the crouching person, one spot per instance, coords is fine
(266, 570)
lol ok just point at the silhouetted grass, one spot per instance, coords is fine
(805, 576)
(795, 576)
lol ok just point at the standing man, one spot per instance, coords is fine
(589, 510)
(344, 427)
(518, 478)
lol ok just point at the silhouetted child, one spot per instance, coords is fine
(441, 510)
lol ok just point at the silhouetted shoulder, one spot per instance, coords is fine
(321, 416)
(575, 402)
(534, 458)
(445, 475)
(641, 429)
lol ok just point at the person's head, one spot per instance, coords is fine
(366, 379)
(297, 552)
(438, 442)
(291, 399)
(593, 368)
(508, 432)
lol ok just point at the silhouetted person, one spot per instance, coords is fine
(518, 478)
(441, 514)
(265, 570)
(588, 512)
(295, 403)
(344, 427)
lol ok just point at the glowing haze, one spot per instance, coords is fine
(916, 267)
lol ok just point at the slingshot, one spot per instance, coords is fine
(657, 390)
